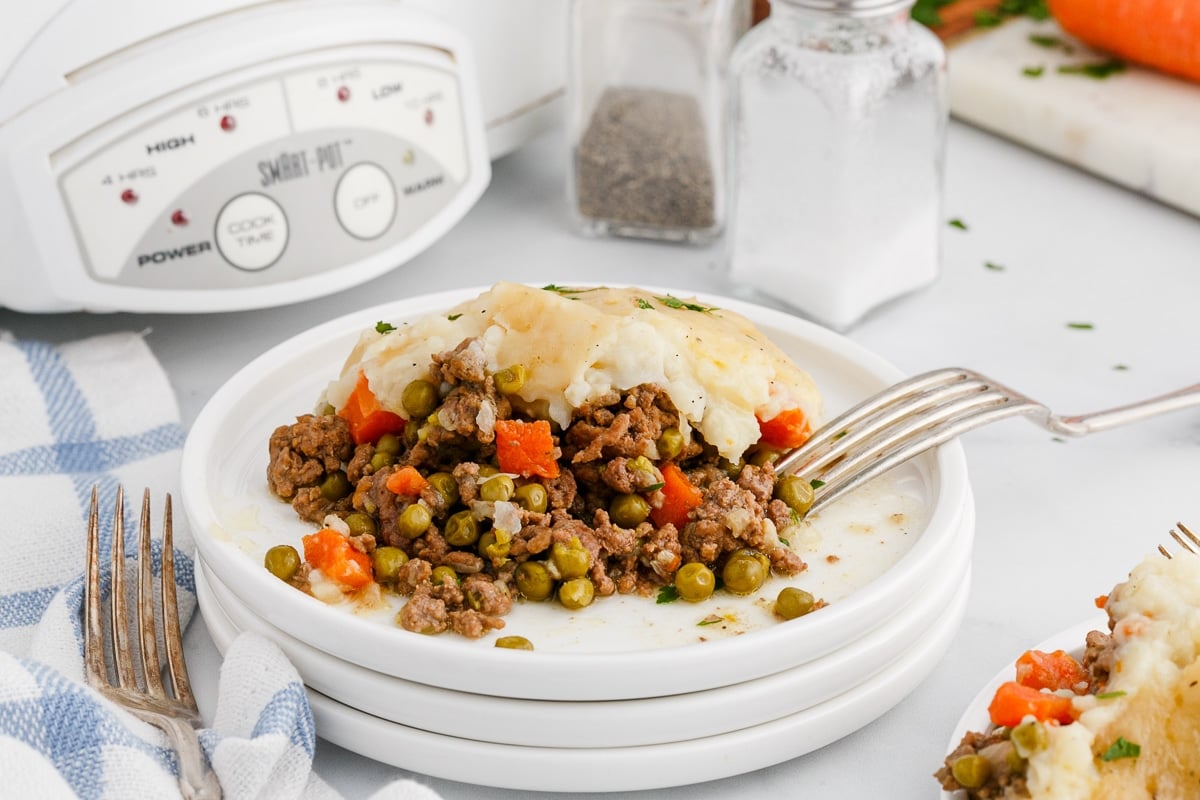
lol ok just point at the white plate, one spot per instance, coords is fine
(552, 723)
(613, 769)
(976, 718)
(620, 647)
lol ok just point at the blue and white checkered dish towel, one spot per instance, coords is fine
(100, 411)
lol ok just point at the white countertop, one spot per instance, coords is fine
(1058, 522)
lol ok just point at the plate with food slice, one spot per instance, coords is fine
(584, 471)
(1106, 709)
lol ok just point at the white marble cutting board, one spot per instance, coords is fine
(1138, 128)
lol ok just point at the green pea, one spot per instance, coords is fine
(510, 379)
(461, 529)
(414, 520)
(971, 771)
(765, 455)
(576, 593)
(532, 497)
(335, 486)
(628, 510)
(327, 410)
(732, 468)
(488, 470)
(572, 560)
(411, 433)
(388, 443)
(514, 643)
(445, 485)
(1029, 738)
(282, 561)
(442, 574)
(361, 524)
(495, 544)
(382, 460)
(695, 582)
(501, 487)
(669, 443)
(419, 398)
(387, 562)
(743, 574)
(796, 492)
(792, 603)
(534, 581)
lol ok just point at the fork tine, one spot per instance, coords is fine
(172, 634)
(120, 630)
(917, 437)
(147, 638)
(1191, 536)
(93, 636)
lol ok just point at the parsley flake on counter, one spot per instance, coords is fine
(957, 223)
(1081, 326)
(453, 317)
(644, 303)
(1121, 367)
(667, 594)
(670, 301)
(1096, 69)
(384, 327)
(1051, 43)
(1121, 748)
(711, 619)
(1033, 72)
(993, 266)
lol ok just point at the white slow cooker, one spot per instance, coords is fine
(225, 154)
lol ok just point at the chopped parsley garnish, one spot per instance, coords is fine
(986, 18)
(1121, 748)
(453, 317)
(839, 435)
(1033, 72)
(1096, 69)
(957, 223)
(794, 515)
(994, 267)
(926, 11)
(667, 594)
(654, 487)
(816, 483)
(1109, 695)
(551, 287)
(1050, 42)
(1080, 326)
(1057, 439)
(674, 302)
(786, 543)
(1121, 367)
(643, 303)
(711, 619)
(384, 327)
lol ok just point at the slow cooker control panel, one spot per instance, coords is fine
(271, 180)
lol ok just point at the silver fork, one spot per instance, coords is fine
(146, 697)
(926, 410)
(1182, 537)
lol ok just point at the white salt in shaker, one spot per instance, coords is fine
(646, 116)
(838, 118)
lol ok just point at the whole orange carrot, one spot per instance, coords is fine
(1162, 34)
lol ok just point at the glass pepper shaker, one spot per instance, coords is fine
(646, 105)
(838, 120)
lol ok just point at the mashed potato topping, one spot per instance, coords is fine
(578, 344)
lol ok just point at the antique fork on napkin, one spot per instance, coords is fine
(912, 416)
(146, 697)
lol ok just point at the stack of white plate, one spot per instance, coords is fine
(630, 693)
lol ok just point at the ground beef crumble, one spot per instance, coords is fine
(609, 450)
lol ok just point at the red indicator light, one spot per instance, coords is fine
(129, 196)
(179, 218)
(343, 93)
(429, 116)
(228, 123)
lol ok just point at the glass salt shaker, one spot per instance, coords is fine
(838, 120)
(646, 115)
